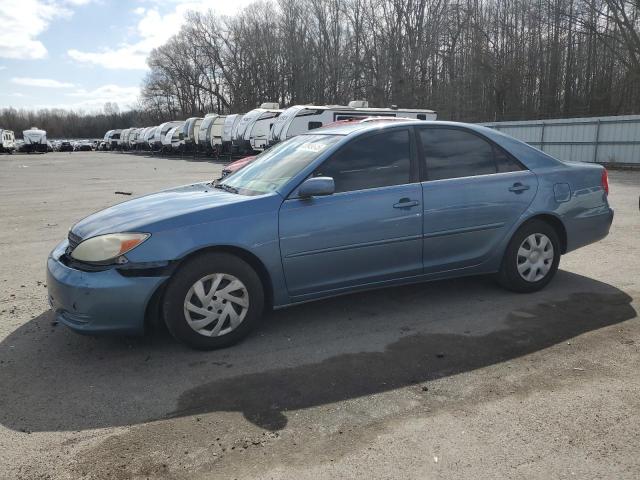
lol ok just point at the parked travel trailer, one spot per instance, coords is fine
(113, 139)
(190, 132)
(133, 138)
(204, 138)
(302, 118)
(160, 132)
(215, 135)
(171, 139)
(107, 139)
(124, 139)
(35, 140)
(7, 141)
(177, 141)
(228, 130)
(253, 130)
(149, 138)
(140, 140)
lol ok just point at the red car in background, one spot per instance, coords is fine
(232, 167)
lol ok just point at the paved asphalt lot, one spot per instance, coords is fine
(454, 379)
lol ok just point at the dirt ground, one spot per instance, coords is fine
(454, 379)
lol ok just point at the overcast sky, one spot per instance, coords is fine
(82, 53)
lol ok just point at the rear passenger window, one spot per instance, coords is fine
(453, 153)
(375, 161)
(504, 162)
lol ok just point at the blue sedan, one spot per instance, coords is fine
(342, 208)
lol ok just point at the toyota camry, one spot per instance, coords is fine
(336, 210)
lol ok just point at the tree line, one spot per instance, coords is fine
(60, 123)
(471, 60)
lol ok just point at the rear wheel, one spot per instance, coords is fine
(213, 301)
(531, 259)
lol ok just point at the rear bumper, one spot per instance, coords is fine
(98, 302)
(589, 227)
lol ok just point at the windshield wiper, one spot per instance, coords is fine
(226, 188)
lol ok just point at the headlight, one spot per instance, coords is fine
(107, 247)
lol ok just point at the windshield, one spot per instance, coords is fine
(276, 166)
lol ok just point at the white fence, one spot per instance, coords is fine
(595, 139)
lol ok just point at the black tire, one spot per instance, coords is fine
(192, 271)
(509, 277)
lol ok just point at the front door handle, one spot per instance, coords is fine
(518, 188)
(406, 203)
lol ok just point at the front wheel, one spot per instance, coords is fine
(531, 259)
(213, 301)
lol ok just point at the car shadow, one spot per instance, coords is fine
(305, 356)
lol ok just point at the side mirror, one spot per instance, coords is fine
(317, 187)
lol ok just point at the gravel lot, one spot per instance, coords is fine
(454, 379)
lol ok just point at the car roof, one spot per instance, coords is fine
(348, 127)
(530, 156)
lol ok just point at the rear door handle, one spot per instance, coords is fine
(518, 188)
(406, 203)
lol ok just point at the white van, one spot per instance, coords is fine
(253, 129)
(7, 141)
(302, 118)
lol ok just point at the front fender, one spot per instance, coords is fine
(256, 233)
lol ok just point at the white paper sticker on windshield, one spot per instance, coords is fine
(313, 147)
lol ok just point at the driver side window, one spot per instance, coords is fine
(379, 160)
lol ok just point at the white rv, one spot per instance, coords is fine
(7, 141)
(160, 132)
(35, 140)
(253, 130)
(190, 132)
(204, 139)
(113, 139)
(107, 139)
(124, 139)
(133, 138)
(215, 135)
(140, 140)
(173, 139)
(149, 138)
(228, 130)
(302, 118)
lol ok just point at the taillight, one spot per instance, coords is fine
(605, 181)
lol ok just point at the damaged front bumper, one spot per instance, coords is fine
(98, 302)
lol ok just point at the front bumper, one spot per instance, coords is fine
(98, 302)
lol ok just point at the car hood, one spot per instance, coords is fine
(159, 211)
